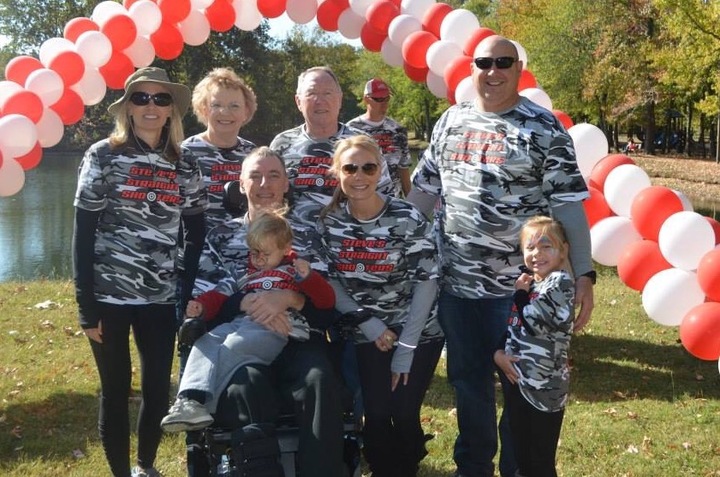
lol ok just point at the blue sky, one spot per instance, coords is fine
(280, 26)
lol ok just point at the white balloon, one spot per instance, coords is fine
(18, 135)
(360, 6)
(391, 53)
(195, 28)
(247, 15)
(609, 237)
(47, 84)
(522, 54)
(401, 27)
(147, 16)
(686, 202)
(50, 128)
(141, 52)
(350, 24)
(91, 88)
(200, 4)
(684, 238)
(436, 85)
(7, 89)
(670, 294)
(591, 145)
(94, 48)
(440, 54)
(53, 47)
(465, 90)
(458, 25)
(416, 8)
(301, 11)
(622, 185)
(12, 177)
(538, 96)
(104, 10)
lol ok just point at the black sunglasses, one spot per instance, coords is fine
(380, 100)
(141, 98)
(369, 169)
(502, 63)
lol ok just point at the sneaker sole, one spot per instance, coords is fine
(185, 426)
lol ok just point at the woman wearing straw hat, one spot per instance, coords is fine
(134, 190)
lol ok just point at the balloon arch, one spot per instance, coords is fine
(660, 246)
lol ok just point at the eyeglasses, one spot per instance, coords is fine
(502, 63)
(369, 169)
(141, 98)
(380, 100)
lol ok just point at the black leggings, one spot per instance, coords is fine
(394, 441)
(154, 329)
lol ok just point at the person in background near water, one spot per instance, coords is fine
(388, 133)
(493, 163)
(382, 258)
(216, 355)
(134, 190)
(534, 357)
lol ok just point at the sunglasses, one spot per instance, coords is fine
(140, 98)
(369, 169)
(502, 63)
(380, 100)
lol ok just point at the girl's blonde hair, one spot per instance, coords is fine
(270, 225)
(365, 143)
(545, 226)
(222, 78)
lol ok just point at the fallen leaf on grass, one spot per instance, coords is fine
(619, 394)
(453, 412)
(632, 415)
(686, 445)
(46, 305)
(631, 449)
(699, 377)
(78, 454)
(47, 324)
(646, 443)
(612, 411)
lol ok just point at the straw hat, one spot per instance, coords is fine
(179, 92)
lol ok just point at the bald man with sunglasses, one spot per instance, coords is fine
(494, 162)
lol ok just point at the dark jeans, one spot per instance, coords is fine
(473, 328)
(153, 327)
(535, 435)
(394, 441)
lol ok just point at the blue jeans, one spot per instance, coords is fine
(473, 328)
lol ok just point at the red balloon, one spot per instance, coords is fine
(221, 16)
(456, 71)
(168, 41)
(69, 65)
(564, 118)
(596, 207)
(419, 75)
(31, 159)
(601, 170)
(77, 26)
(271, 8)
(20, 67)
(116, 70)
(174, 11)
(700, 331)
(327, 15)
(708, 274)
(651, 207)
(638, 262)
(371, 38)
(415, 47)
(527, 80)
(716, 228)
(25, 103)
(478, 35)
(433, 17)
(380, 14)
(120, 30)
(69, 107)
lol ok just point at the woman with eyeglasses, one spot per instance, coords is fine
(134, 190)
(381, 258)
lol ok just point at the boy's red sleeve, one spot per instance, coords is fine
(211, 301)
(315, 287)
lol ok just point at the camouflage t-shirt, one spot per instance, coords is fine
(308, 162)
(543, 350)
(393, 141)
(379, 261)
(141, 197)
(492, 172)
(218, 166)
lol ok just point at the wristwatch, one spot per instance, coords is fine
(592, 275)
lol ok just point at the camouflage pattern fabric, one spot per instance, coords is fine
(492, 172)
(308, 162)
(392, 138)
(218, 166)
(379, 261)
(543, 366)
(141, 197)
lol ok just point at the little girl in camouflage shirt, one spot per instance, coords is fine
(534, 357)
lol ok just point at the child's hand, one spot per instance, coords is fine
(523, 282)
(302, 267)
(194, 309)
(504, 362)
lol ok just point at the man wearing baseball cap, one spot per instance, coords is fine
(388, 133)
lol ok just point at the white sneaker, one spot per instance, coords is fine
(186, 415)
(140, 472)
